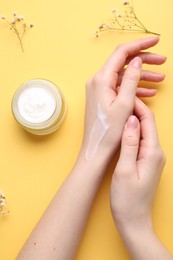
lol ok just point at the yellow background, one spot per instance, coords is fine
(62, 48)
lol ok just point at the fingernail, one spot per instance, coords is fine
(137, 63)
(164, 57)
(132, 122)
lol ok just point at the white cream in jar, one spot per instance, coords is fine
(39, 106)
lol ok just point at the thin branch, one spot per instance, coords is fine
(15, 23)
(128, 21)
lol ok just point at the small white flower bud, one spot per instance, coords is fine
(2, 212)
(125, 2)
(20, 17)
(2, 195)
(101, 26)
(96, 33)
(14, 13)
(3, 203)
(108, 25)
(12, 20)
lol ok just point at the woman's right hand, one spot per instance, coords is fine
(138, 170)
(134, 184)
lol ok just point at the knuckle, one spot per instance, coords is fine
(132, 74)
(95, 79)
(131, 141)
(151, 114)
(120, 47)
(157, 155)
(163, 158)
(99, 79)
(88, 83)
(123, 49)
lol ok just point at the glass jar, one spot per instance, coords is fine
(39, 106)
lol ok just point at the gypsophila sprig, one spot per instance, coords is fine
(17, 25)
(124, 21)
(3, 205)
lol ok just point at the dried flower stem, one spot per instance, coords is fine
(18, 26)
(128, 21)
(15, 30)
(142, 25)
(3, 210)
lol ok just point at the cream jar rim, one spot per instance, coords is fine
(50, 121)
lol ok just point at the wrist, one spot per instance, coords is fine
(98, 164)
(139, 239)
(143, 243)
(136, 239)
(133, 228)
(132, 232)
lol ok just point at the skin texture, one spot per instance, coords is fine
(114, 87)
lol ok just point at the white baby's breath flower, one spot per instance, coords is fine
(113, 10)
(2, 195)
(107, 25)
(12, 20)
(2, 16)
(20, 17)
(3, 203)
(2, 212)
(118, 15)
(125, 2)
(101, 26)
(96, 33)
(14, 13)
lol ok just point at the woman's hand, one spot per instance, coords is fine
(111, 96)
(134, 184)
(138, 170)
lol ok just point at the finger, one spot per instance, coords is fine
(130, 81)
(146, 76)
(149, 58)
(117, 60)
(144, 92)
(152, 76)
(130, 143)
(147, 122)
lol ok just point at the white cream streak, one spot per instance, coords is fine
(98, 131)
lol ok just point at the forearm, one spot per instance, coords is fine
(144, 244)
(59, 231)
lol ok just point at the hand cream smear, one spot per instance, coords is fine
(98, 131)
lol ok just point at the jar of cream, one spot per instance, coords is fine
(39, 106)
